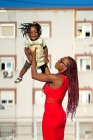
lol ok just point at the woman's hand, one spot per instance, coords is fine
(46, 60)
(32, 53)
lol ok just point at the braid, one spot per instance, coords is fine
(25, 28)
(73, 87)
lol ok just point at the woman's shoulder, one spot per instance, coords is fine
(64, 77)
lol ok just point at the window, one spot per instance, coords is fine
(84, 63)
(7, 30)
(8, 97)
(7, 65)
(38, 96)
(86, 130)
(38, 101)
(7, 130)
(85, 97)
(83, 30)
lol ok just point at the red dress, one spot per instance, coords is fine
(54, 117)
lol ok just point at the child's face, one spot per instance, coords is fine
(33, 33)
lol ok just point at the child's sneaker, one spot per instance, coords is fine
(19, 79)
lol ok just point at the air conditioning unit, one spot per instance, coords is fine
(7, 74)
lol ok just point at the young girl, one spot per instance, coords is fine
(32, 32)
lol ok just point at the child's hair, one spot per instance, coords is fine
(25, 28)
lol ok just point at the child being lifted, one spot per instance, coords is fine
(32, 32)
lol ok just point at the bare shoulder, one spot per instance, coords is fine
(58, 81)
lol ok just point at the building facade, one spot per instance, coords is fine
(67, 32)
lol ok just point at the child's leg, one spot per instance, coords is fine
(27, 63)
(24, 69)
(45, 69)
(26, 66)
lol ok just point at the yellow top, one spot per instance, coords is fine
(38, 44)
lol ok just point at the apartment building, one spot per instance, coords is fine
(67, 32)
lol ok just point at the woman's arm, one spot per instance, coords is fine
(40, 76)
(46, 60)
(46, 54)
(54, 79)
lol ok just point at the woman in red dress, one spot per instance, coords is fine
(54, 118)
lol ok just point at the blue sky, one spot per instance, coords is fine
(45, 3)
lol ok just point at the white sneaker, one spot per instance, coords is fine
(18, 80)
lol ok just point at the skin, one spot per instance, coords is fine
(55, 79)
(33, 33)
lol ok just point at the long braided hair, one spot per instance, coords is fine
(25, 28)
(73, 87)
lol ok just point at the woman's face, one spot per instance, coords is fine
(62, 64)
(33, 33)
